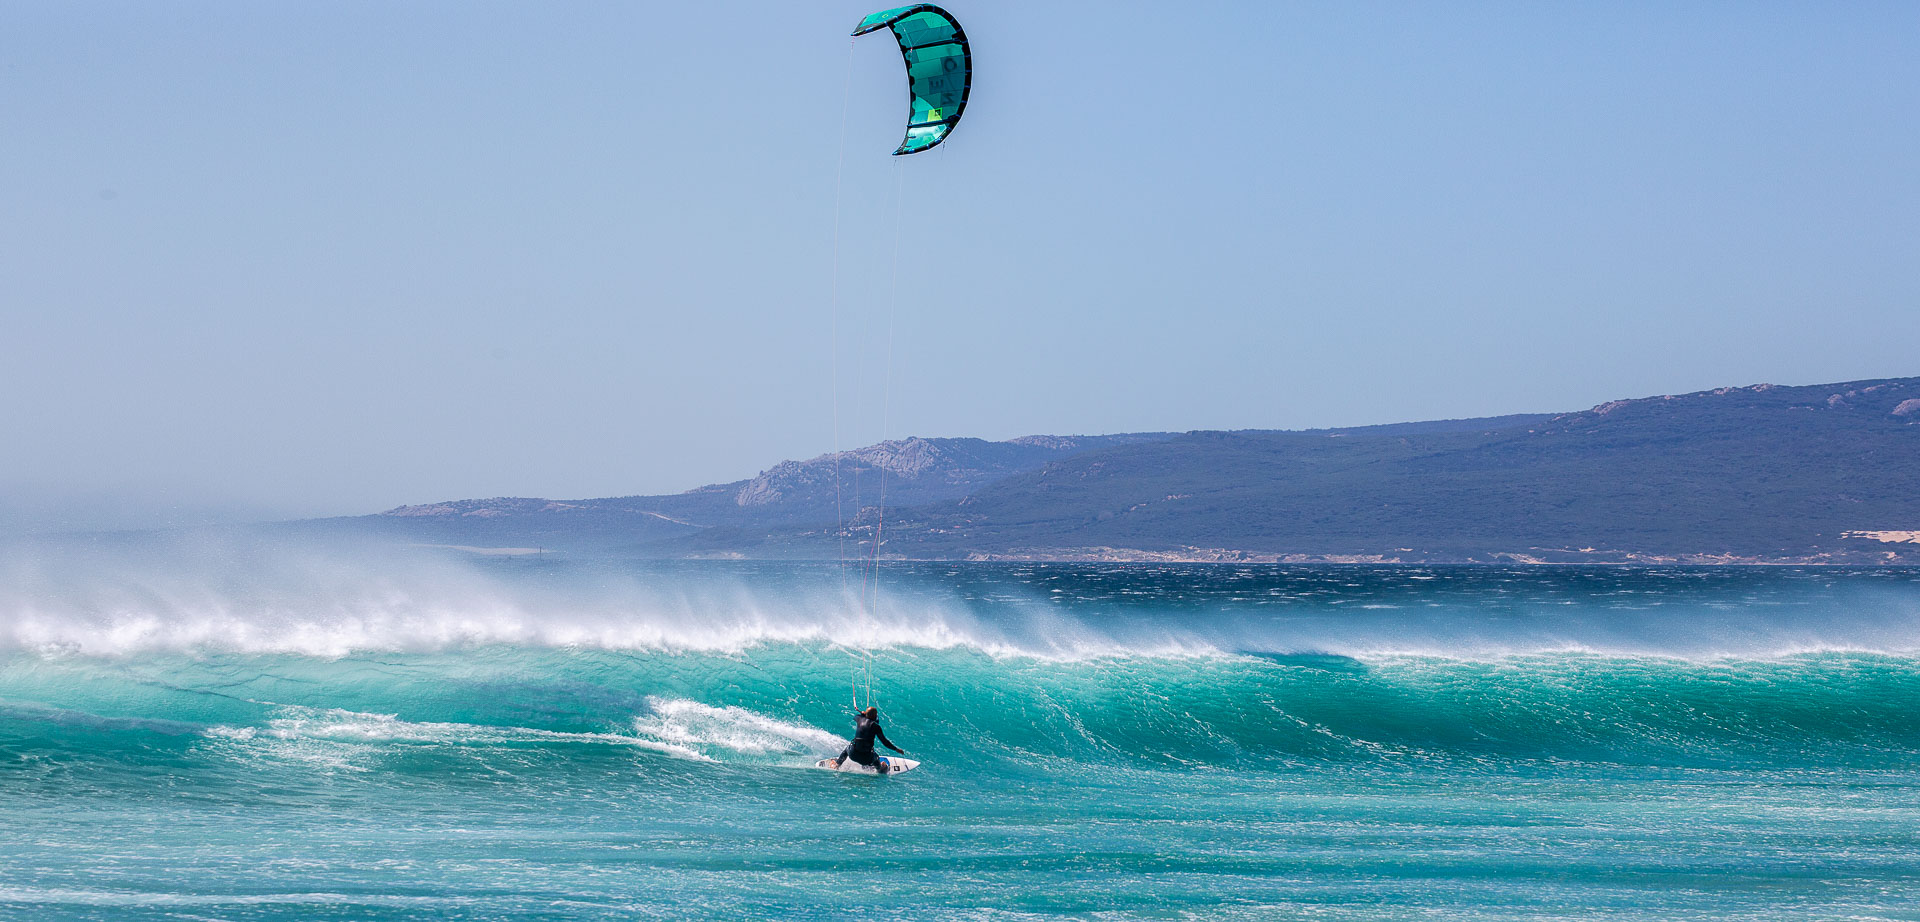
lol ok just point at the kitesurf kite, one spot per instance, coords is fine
(939, 70)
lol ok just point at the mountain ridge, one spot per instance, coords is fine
(1754, 474)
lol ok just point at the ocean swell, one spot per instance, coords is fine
(788, 705)
(264, 657)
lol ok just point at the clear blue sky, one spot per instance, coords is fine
(288, 259)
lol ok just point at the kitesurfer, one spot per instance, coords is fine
(866, 729)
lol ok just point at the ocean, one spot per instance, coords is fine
(253, 734)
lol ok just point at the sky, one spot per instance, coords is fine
(273, 260)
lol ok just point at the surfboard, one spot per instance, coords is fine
(895, 763)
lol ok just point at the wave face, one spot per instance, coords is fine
(1257, 720)
(788, 705)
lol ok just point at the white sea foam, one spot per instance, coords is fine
(334, 601)
(348, 740)
(326, 603)
(330, 602)
(705, 728)
(642, 623)
(359, 731)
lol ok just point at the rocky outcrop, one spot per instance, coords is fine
(913, 469)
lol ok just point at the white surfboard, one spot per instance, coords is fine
(895, 764)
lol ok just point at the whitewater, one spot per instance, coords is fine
(264, 732)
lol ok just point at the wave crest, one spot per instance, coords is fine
(332, 603)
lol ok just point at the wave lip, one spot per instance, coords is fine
(332, 603)
(730, 625)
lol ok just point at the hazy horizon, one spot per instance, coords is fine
(132, 508)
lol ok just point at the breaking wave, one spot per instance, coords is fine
(268, 599)
(424, 665)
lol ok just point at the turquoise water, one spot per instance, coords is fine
(269, 736)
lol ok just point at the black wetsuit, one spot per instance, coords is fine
(865, 731)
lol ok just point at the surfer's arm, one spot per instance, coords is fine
(881, 735)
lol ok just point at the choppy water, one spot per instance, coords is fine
(304, 736)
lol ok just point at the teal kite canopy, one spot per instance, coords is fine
(939, 70)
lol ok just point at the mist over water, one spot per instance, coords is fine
(268, 731)
(340, 599)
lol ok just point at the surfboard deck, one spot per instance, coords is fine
(895, 763)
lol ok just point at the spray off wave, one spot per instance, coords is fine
(329, 603)
(333, 602)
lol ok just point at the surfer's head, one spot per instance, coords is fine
(870, 712)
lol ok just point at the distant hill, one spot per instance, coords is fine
(1827, 473)
(1757, 473)
(813, 493)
